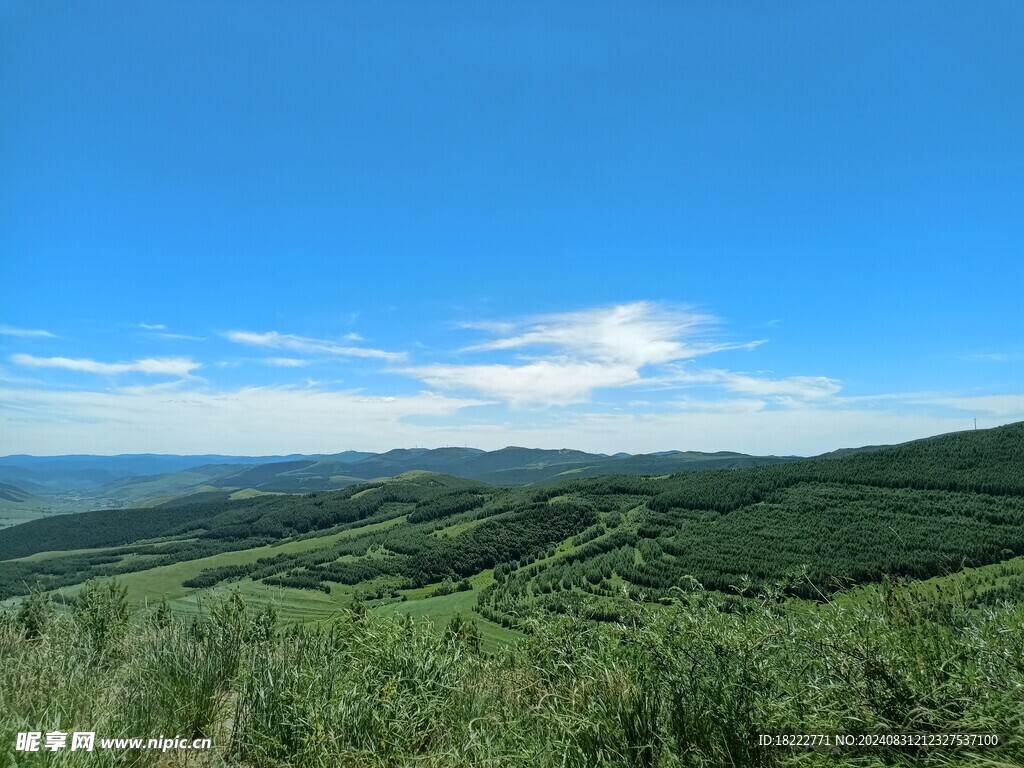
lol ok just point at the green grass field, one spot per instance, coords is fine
(687, 685)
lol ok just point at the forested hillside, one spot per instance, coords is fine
(65, 484)
(592, 544)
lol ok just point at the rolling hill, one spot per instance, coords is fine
(9, 492)
(596, 545)
(79, 483)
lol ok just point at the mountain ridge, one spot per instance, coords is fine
(78, 482)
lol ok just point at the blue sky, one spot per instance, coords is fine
(267, 228)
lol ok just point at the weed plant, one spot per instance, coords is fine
(690, 684)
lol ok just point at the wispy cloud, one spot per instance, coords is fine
(801, 387)
(166, 366)
(543, 382)
(638, 334)
(161, 331)
(11, 378)
(992, 357)
(994, 405)
(571, 354)
(179, 337)
(250, 420)
(491, 326)
(268, 420)
(275, 340)
(730, 405)
(640, 377)
(28, 333)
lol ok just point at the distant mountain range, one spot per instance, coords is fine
(507, 466)
(31, 485)
(84, 471)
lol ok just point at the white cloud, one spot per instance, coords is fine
(10, 378)
(800, 387)
(169, 419)
(637, 334)
(491, 326)
(28, 333)
(587, 350)
(160, 331)
(991, 357)
(169, 366)
(609, 347)
(251, 420)
(275, 340)
(179, 337)
(732, 405)
(547, 382)
(792, 387)
(1004, 406)
(741, 427)
(551, 360)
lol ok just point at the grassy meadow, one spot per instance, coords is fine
(694, 683)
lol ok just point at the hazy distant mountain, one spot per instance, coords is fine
(9, 492)
(85, 472)
(80, 482)
(350, 456)
(507, 466)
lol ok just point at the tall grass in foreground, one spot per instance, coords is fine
(687, 685)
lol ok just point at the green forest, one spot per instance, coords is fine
(918, 510)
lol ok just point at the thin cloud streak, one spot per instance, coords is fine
(275, 340)
(992, 357)
(167, 366)
(799, 387)
(26, 333)
(1003, 406)
(250, 419)
(543, 382)
(178, 337)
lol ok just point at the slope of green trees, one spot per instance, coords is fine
(917, 510)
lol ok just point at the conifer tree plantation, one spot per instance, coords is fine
(615, 620)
